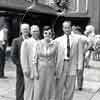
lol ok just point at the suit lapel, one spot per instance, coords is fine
(21, 39)
(72, 46)
(71, 41)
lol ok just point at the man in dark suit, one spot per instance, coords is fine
(15, 54)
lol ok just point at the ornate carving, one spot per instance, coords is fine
(62, 4)
(29, 0)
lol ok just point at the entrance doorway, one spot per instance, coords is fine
(39, 19)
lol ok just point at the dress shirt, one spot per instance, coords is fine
(3, 36)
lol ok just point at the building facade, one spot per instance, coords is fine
(81, 12)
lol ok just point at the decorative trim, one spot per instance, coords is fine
(29, 0)
(87, 5)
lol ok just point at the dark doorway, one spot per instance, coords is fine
(14, 21)
(82, 22)
(40, 19)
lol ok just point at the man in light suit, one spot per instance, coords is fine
(15, 54)
(90, 33)
(67, 63)
(26, 62)
(83, 48)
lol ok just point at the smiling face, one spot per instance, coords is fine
(25, 29)
(35, 32)
(67, 27)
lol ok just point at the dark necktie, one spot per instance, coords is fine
(68, 46)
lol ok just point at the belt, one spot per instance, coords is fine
(67, 59)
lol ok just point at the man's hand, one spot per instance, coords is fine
(27, 74)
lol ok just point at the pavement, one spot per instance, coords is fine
(7, 85)
(90, 90)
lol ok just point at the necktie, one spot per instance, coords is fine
(68, 46)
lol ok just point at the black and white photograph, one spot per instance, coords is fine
(49, 49)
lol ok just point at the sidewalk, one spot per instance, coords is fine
(90, 86)
(7, 86)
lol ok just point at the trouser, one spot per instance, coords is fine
(2, 61)
(80, 73)
(20, 88)
(87, 58)
(29, 89)
(65, 89)
(69, 87)
(80, 78)
(1, 70)
(65, 85)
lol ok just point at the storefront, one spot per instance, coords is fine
(44, 12)
(13, 14)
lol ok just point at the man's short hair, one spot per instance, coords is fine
(90, 27)
(33, 26)
(67, 21)
(23, 25)
(78, 28)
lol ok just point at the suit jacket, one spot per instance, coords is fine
(74, 55)
(27, 55)
(15, 53)
(83, 49)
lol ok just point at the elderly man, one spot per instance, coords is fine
(3, 45)
(67, 63)
(83, 43)
(90, 33)
(26, 62)
(15, 54)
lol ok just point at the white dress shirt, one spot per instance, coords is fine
(3, 36)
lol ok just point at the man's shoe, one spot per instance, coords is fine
(80, 89)
(3, 77)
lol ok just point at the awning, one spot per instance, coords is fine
(39, 8)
